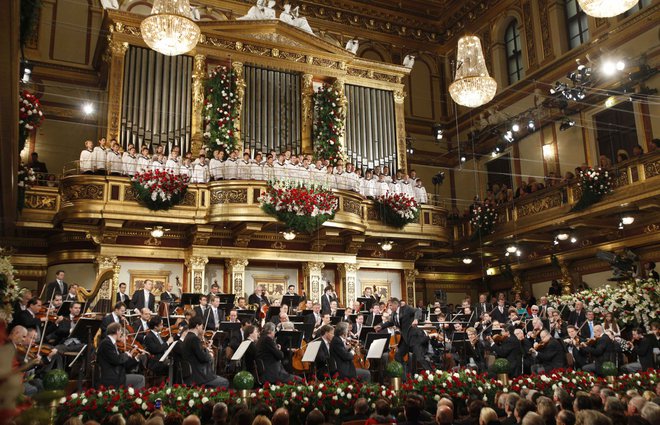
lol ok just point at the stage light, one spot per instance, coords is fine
(515, 127)
(608, 68)
(511, 248)
(438, 131)
(508, 136)
(519, 253)
(563, 235)
(573, 239)
(467, 260)
(627, 219)
(566, 124)
(531, 125)
(605, 8)
(620, 65)
(463, 158)
(88, 108)
(289, 235)
(621, 225)
(555, 241)
(493, 154)
(386, 245)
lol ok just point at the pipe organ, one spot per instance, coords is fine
(272, 110)
(370, 128)
(156, 100)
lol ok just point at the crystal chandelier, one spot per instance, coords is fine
(170, 29)
(606, 8)
(472, 85)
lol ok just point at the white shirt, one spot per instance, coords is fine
(130, 164)
(368, 188)
(115, 163)
(420, 195)
(216, 168)
(172, 166)
(86, 160)
(256, 171)
(143, 163)
(100, 157)
(200, 173)
(157, 165)
(231, 169)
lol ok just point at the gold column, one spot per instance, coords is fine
(566, 279)
(109, 288)
(197, 267)
(410, 276)
(348, 272)
(236, 270)
(517, 282)
(313, 280)
(116, 54)
(198, 77)
(307, 114)
(240, 96)
(400, 115)
(343, 103)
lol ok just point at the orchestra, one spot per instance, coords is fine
(161, 338)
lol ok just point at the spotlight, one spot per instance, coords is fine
(157, 231)
(555, 241)
(573, 239)
(531, 125)
(566, 124)
(608, 68)
(627, 219)
(438, 131)
(508, 136)
(563, 235)
(289, 235)
(463, 158)
(511, 248)
(515, 127)
(493, 154)
(467, 260)
(518, 253)
(386, 246)
(621, 225)
(438, 178)
(88, 108)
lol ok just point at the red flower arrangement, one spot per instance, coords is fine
(160, 190)
(220, 110)
(329, 115)
(301, 207)
(30, 116)
(484, 217)
(398, 209)
(595, 183)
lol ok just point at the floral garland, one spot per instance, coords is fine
(336, 398)
(397, 209)
(633, 303)
(484, 217)
(9, 290)
(303, 208)
(595, 184)
(329, 124)
(160, 190)
(25, 179)
(220, 111)
(30, 116)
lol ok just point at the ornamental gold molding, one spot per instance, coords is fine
(76, 192)
(41, 202)
(116, 55)
(198, 78)
(240, 97)
(307, 113)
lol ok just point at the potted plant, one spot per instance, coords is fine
(501, 368)
(394, 370)
(609, 371)
(244, 382)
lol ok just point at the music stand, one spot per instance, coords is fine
(84, 330)
(311, 352)
(366, 302)
(341, 312)
(246, 317)
(373, 336)
(240, 351)
(170, 363)
(65, 309)
(273, 311)
(227, 299)
(189, 298)
(296, 319)
(380, 342)
(335, 319)
(230, 327)
(366, 330)
(308, 312)
(293, 301)
(306, 328)
(352, 318)
(289, 339)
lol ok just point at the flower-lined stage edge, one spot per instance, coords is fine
(220, 111)
(329, 119)
(633, 303)
(595, 183)
(30, 116)
(337, 397)
(397, 209)
(160, 190)
(301, 207)
(484, 217)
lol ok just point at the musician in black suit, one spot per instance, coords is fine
(72, 295)
(58, 286)
(251, 333)
(412, 339)
(325, 366)
(116, 316)
(143, 297)
(510, 348)
(327, 297)
(156, 346)
(200, 358)
(374, 317)
(259, 297)
(578, 316)
(270, 355)
(141, 325)
(343, 356)
(369, 293)
(122, 296)
(572, 343)
(214, 316)
(316, 317)
(167, 296)
(604, 350)
(203, 308)
(28, 317)
(483, 306)
(643, 347)
(356, 327)
(500, 312)
(113, 365)
(549, 354)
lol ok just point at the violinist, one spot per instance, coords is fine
(167, 296)
(251, 333)
(241, 304)
(200, 358)
(65, 326)
(141, 325)
(343, 354)
(514, 319)
(156, 346)
(347, 315)
(333, 308)
(282, 321)
(558, 328)
(113, 364)
(25, 295)
(356, 327)
(72, 295)
(374, 317)
(67, 344)
(643, 347)
(117, 316)
(572, 343)
(327, 298)
(602, 350)
(277, 319)
(535, 327)
(510, 349)
(500, 313)
(484, 327)
(18, 337)
(215, 290)
(28, 318)
(549, 354)
(324, 366)
(315, 317)
(215, 315)
(271, 355)
(477, 355)
(325, 320)
(258, 297)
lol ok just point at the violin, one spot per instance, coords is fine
(360, 358)
(33, 351)
(498, 339)
(124, 347)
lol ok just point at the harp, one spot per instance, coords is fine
(99, 300)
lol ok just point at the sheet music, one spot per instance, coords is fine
(167, 353)
(311, 351)
(240, 351)
(376, 348)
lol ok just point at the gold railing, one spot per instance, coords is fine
(632, 181)
(85, 198)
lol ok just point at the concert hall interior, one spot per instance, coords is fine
(231, 194)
